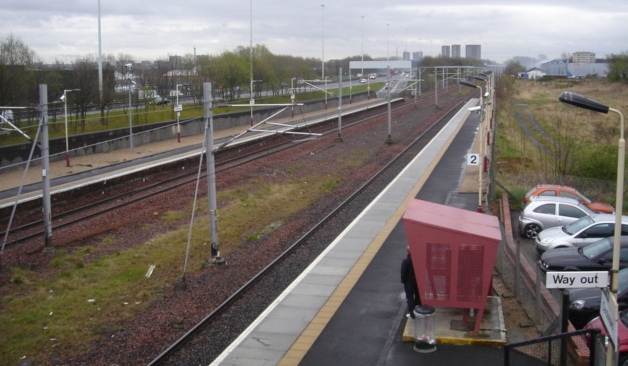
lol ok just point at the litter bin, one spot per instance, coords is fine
(424, 328)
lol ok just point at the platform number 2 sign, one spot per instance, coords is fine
(473, 159)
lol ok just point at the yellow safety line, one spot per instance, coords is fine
(302, 345)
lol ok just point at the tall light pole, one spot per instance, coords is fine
(406, 50)
(387, 43)
(484, 128)
(99, 59)
(362, 47)
(480, 167)
(592, 105)
(323, 61)
(252, 100)
(178, 109)
(490, 84)
(64, 98)
(131, 82)
(388, 87)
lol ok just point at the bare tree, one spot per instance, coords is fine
(16, 72)
(85, 77)
(108, 89)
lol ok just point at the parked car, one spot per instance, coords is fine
(584, 303)
(161, 101)
(543, 212)
(556, 190)
(579, 233)
(622, 335)
(596, 256)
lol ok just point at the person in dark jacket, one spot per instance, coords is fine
(409, 284)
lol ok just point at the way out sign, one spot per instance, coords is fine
(561, 280)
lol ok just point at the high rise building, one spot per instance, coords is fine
(455, 51)
(445, 51)
(473, 51)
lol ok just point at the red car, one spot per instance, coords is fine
(622, 334)
(566, 191)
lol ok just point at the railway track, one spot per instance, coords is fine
(69, 210)
(169, 317)
(193, 347)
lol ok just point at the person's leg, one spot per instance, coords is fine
(417, 296)
(410, 298)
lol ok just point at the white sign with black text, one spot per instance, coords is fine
(590, 279)
(473, 159)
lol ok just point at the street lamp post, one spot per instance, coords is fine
(178, 109)
(292, 96)
(485, 129)
(388, 87)
(488, 75)
(362, 47)
(592, 105)
(323, 61)
(471, 85)
(131, 82)
(65, 107)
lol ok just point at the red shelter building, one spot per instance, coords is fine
(453, 253)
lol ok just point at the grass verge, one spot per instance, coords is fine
(570, 145)
(85, 295)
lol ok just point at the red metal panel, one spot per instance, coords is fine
(470, 273)
(453, 252)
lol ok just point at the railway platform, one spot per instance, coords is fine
(348, 307)
(93, 168)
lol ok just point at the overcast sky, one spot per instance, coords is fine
(156, 29)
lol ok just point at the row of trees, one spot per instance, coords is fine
(21, 72)
(618, 67)
(230, 73)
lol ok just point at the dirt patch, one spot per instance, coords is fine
(518, 324)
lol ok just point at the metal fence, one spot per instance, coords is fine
(561, 350)
(520, 273)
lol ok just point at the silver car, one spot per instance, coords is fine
(543, 212)
(579, 233)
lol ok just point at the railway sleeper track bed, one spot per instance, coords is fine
(133, 187)
(72, 207)
(165, 321)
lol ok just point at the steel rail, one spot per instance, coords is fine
(174, 347)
